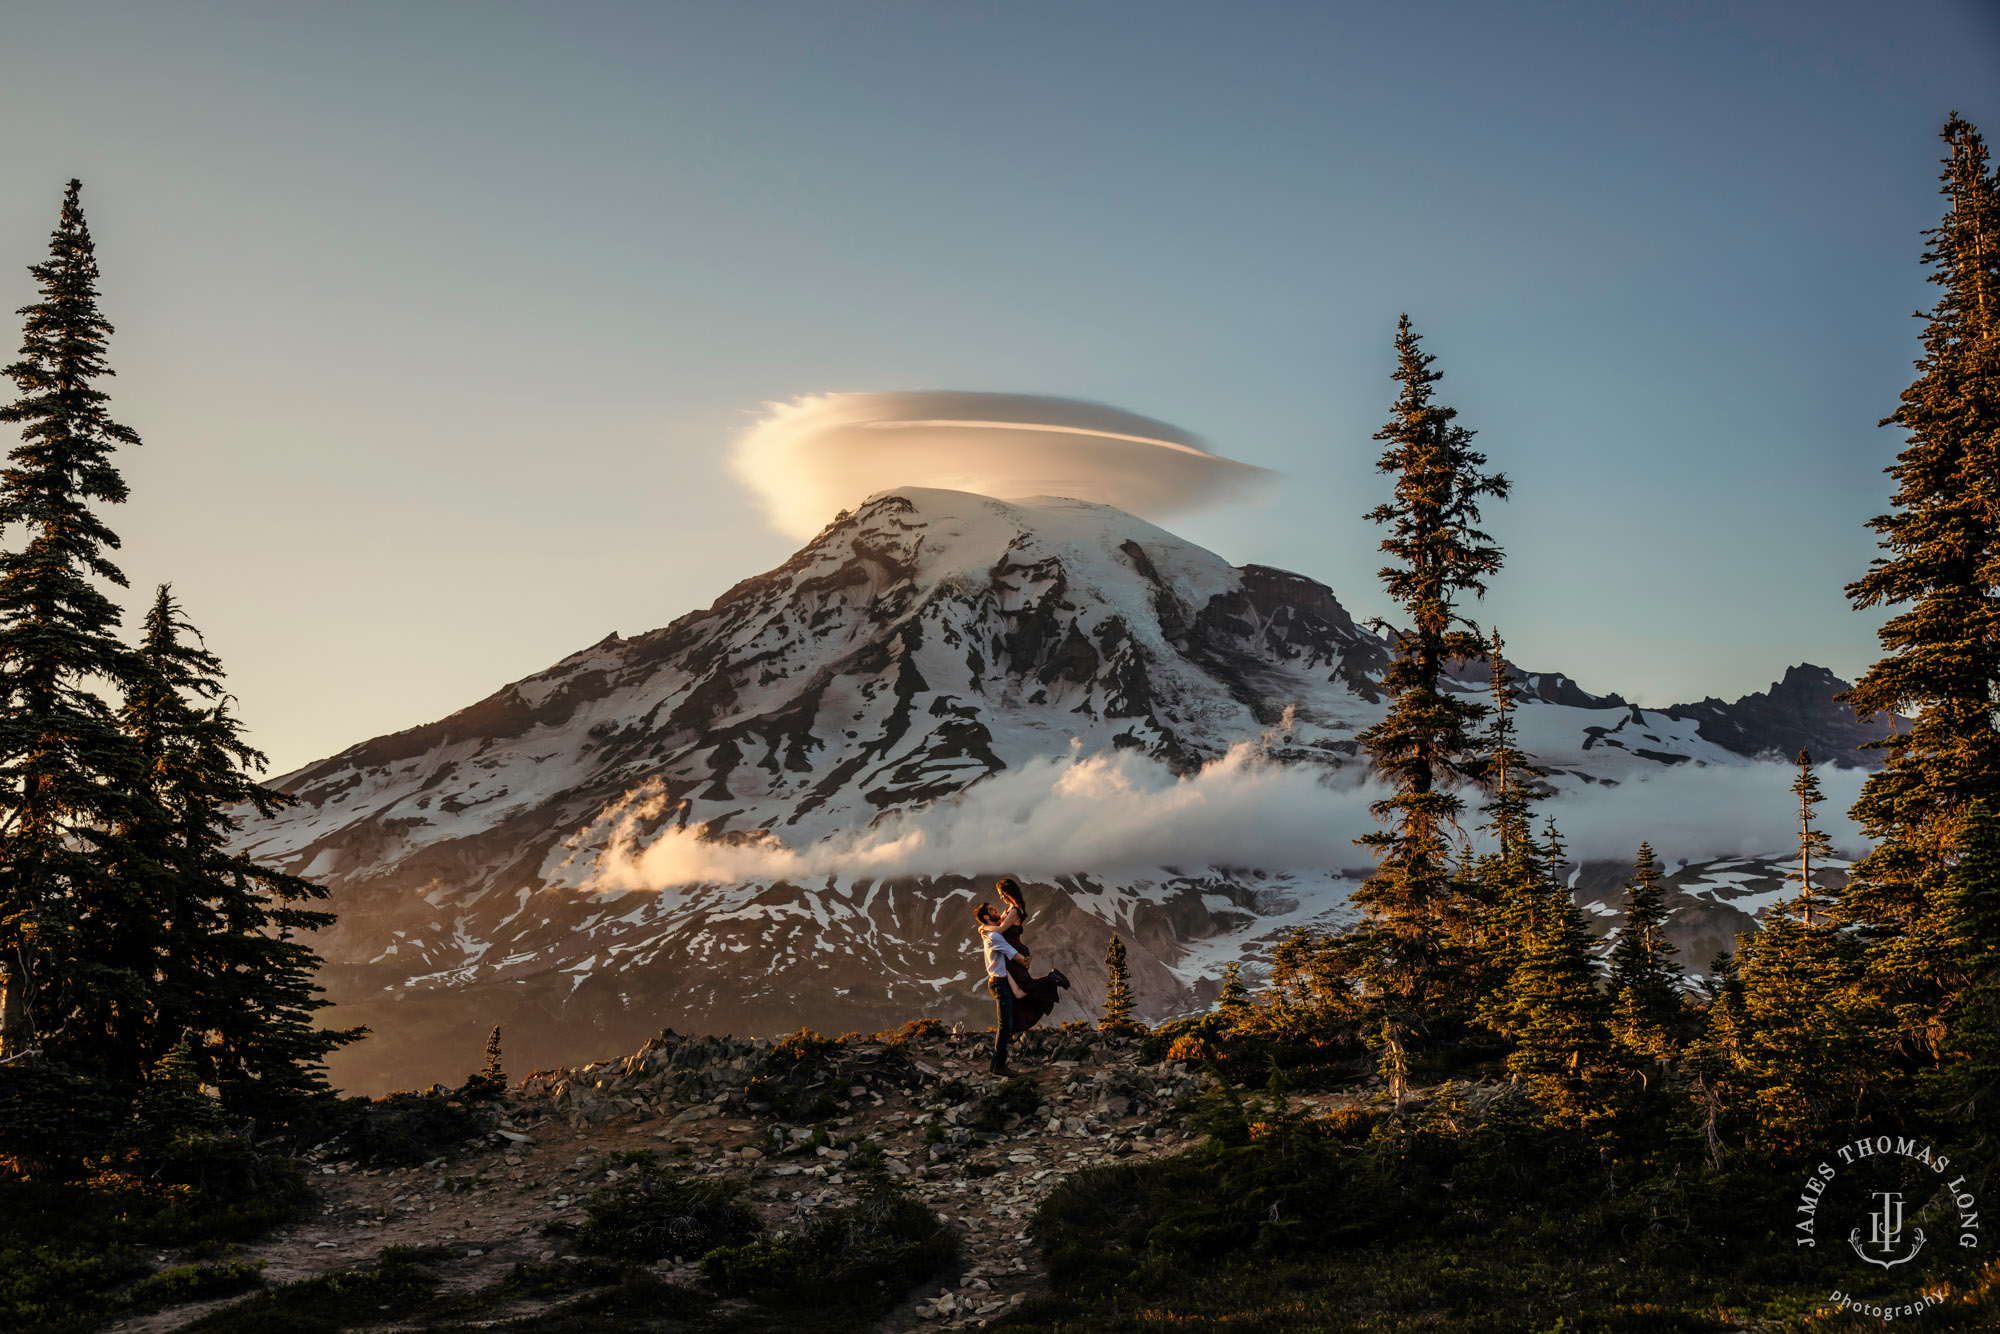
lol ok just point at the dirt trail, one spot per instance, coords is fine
(560, 1134)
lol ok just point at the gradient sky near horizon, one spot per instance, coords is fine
(439, 320)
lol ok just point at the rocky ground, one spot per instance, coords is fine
(712, 1106)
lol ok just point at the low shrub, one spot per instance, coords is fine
(67, 1258)
(862, 1257)
(398, 1285)
(528, 1279)
(913, 1031)
(654, 1214)
(194, 1283)
(1016, 1097)
(796, 1077)
(405, 1129)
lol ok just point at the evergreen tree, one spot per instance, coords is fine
(172, 1105)
(1411, 951)
(74, 933)
(1645, 982)
(1942, 570)
(1551, 1007)
(1965, 1084)
(1807, 1045)
(1509, 876)
(1812, 842)
(1234, 999)
(493, 1072)
(233, 969)
(1715, 1059)
(1118, 1000)
(1308, 992)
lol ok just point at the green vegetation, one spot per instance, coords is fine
(848, 1265)
(1469, 1209)
(157, 1045)
(398, 1282)
(795, 1077)
(1629, 1152)
(654, 1215)
(1118, 998)
(127, 929)
(70, 1252)
(1411, 955)
(404, 1129)
(1014, 1099)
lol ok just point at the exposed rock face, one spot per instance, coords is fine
(1799, 712)
(925, 642)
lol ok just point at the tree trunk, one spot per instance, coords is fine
(17, 1027)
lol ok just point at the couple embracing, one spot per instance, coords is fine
(1020, 1000)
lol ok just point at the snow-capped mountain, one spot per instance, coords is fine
(926, 642)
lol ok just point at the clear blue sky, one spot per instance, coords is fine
(438, 319)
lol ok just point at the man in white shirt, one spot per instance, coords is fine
(998, 981)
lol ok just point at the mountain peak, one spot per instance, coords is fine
(927, 643)
(1798, 712)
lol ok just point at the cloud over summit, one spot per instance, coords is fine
(810, 458)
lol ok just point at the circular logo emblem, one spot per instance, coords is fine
(1890, 1221)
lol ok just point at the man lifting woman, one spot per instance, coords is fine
(1020, 1000)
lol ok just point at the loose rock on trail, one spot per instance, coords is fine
(979, 1152)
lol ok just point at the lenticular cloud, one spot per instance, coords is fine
(812, 457)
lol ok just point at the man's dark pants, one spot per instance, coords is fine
(1003, 1010)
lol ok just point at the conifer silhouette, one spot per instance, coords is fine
(235, 970)
(1551, 1007)
(1813, 842)
(1412, 949)
(75, 945)
(1645, 982)
(1966, 1085)
(1941, 574)
(1510, 876)
(493, 1072)
(1118, 999)
(1234, 999)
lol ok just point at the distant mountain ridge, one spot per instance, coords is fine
(927, 641)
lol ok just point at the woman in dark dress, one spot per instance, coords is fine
(1040, 994)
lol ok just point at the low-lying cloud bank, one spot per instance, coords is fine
(1117, 812)
(809, 459)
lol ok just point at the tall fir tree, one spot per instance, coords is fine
(1645, 982)
(1118, 999)
(1509, 876)
(1813, 841)
(75, 940)
(234, 971)
(1411, 952)
(1942, 573)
